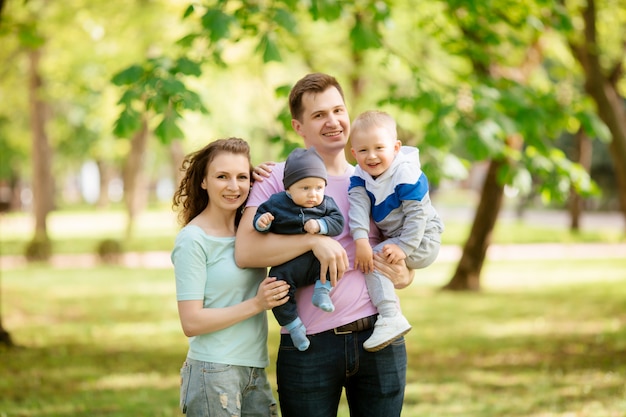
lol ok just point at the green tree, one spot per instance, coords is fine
(477, 84)
(600, 49)
(74, 49)
(31, 43)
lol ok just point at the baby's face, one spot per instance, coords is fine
(308, 192)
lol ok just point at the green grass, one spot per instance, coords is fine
(544, 339)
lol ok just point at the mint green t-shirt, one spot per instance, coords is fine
(205, 269)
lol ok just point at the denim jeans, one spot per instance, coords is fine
(310, 383)
(213, 389)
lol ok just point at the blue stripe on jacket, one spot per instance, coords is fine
(394, 200)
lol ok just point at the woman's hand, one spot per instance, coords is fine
(398, 273)
(272, 293)
(263, 170)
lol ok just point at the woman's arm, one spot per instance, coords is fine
(254, 249)
(196, 320)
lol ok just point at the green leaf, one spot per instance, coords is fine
(130, 75)
(328, 10)
(363, 37)
(505, 174)
(29, 37)
(268, 49)
(217, 23)
(285, 20)
(187, 40)
(171, 87)
(593, 126)
(129, 96)
(159, 102)
(168, 129)
(192, 101)
(189, 11)
(282, 91)
(127, 123)
(187, 66)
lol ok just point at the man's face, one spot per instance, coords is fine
(325, 122)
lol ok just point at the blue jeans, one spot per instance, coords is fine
(213, 389)
(310, 382)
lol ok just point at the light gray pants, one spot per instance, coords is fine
(211, 389)
(381, 288)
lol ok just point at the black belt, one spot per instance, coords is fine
(359, 325)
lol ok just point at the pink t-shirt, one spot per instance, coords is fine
(350, 296)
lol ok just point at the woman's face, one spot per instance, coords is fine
(227, 181)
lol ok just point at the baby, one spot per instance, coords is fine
(301, 208)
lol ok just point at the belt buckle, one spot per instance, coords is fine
(339, 332)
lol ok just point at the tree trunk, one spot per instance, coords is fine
(583, 153)
(5, 337)
(178, 155)
(134, 189)
(603, 90)
(611, 111)
(467, 274)
(105, 171)
(43, 184)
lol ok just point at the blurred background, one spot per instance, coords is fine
(518, 108)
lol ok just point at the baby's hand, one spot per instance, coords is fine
(364, 260)
(312, 226)
(393, 253)
(265, 220)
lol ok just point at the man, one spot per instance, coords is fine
(310, 382)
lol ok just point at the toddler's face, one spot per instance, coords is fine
(374, 150)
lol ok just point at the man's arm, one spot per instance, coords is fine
(254, 249)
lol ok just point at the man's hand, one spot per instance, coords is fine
(393, 253)
(262, 171)
(333, 258)
(398, 273)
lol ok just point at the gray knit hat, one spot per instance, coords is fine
(302, 163)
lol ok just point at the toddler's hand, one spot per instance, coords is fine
(364, 260)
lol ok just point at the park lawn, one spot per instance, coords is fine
(107, 342)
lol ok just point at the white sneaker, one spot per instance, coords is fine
(386, 330)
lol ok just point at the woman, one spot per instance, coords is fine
(222, 308)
